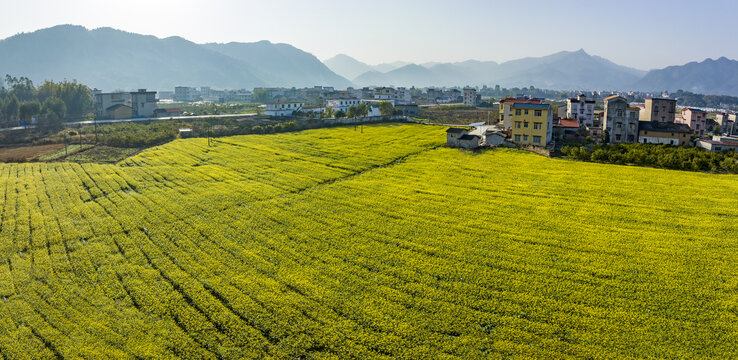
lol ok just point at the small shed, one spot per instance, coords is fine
(185, 132)
(453, 135)
(120, 111)
(494, 137)
(469, 141)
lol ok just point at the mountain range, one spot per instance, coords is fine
(563, 70)
(112, 59)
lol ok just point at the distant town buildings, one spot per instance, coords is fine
(342, 104)
(185, 94)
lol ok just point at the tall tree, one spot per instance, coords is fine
(29, 109)
(11, 109)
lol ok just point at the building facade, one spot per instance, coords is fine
(471, 97)
(143, 103)
(669, 133)
(695, 118)
(719, 143)
(185, 94)
(341, 104)
(283, 109)
(505, 110)
(532, 124)
(581, 109)
(620, 121)
(659, 109)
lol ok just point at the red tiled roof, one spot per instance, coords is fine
(521, 101)
(569, 123)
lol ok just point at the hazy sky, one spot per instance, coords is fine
(644, 34)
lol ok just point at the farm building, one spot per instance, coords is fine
(119, 111)
(469, 141)
(453, 135)
(494, 137)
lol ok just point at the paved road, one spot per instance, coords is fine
(18, 128)
(194, 117)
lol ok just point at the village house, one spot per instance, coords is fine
(384, 93)
(140, 103)
(493, 137)
(719, 143)
(620, 120)
(658, 132)
(531, 124)
(566, 130)
(469, 141)
(695, 118)
(581, 109)
(726, 122)
(506, 112)
(453, 135)
(659, 109)
(283, 109)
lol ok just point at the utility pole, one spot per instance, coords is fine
(66, 152)
(96, 130)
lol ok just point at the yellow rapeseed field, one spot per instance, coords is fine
(334, 243)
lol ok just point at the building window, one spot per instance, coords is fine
(537, 126)
(617, 137)
(620, 112)
(632, 126)
(517, 138)
(525, 137)
(671, 142)
(536, 139)
(538, 113)
(619, 125)
(525, 124)
(517, 124)
(517, 112)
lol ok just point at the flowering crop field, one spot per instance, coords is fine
(334, 243)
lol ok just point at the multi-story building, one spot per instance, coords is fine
(120, 105)
(695, 118)
(581, 109)
(659, 109)
(384, 93)
(532, 124)
(726, 122)
(185, 94)
(283, 109)
(506, 109)
(471, 97)
(143, 103)
(620, 121)
(403, 96)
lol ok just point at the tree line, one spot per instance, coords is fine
(50, 103)
(663, 156)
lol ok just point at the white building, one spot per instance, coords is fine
(471, 97)
(341, 104)
(403, 96)
(185, 94)
(384, 93)
(283, 109)
(719, 143)
(142, 103)
(581, 109)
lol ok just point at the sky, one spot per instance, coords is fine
(644, 34)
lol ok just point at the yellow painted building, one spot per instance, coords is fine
(530, 124)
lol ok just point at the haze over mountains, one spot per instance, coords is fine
(111, 59)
